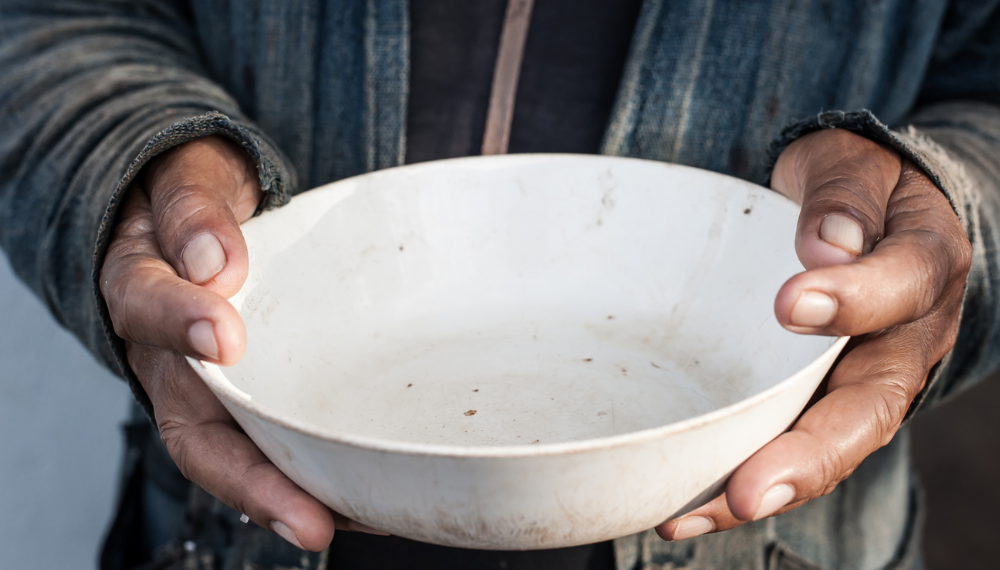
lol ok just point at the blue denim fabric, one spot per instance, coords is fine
(316, 90)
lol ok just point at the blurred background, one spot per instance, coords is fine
(60, 443)
(60, 448)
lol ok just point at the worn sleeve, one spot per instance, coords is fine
(954, 136)
(90, 91)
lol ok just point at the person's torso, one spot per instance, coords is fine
(707, 83)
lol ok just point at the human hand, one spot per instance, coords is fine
(886, 260)
(176, 255)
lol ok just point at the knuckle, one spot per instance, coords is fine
(895, 377)
(934, 227)
(126, 277)
(114, 296)
(950, 337)
(892, 385)
(138, 360)
(172, 434)
(924, 283)
(123, 306)
(122, 326)
(934, 335)
(941, 337)
(113, 270)
(832, 484)
(179, 212)
(135, 226)
(963, 256)
(889, 412)
(183, 202)
(241, 494)
(953, 254)
(926, 264)
(185, 446)
(831, 465)
(828, 489)
(852, 197)
(136, 291)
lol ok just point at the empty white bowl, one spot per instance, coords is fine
(519, 352)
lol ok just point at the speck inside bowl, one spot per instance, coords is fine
(514, 352)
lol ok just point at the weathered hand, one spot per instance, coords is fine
(886, 261)
(177, 254)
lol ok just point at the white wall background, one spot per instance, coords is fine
(60, 445)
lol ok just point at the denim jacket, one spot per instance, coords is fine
(316, 90)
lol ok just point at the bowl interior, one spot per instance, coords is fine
(517, 300)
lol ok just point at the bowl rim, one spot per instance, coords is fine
(213, 376)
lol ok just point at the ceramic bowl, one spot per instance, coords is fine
(519, 352)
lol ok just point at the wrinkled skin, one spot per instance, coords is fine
(875, 235)
(896, 285)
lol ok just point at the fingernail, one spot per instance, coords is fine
(282, 530)
(203, 258)
(202, 338)
(692, 526)
(362, 527)
(775, 498)
(813, 309)
(843, 232)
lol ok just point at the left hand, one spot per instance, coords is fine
(176, 255)
(886, 260)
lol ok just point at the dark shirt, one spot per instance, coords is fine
(573, 61)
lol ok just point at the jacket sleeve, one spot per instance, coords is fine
(957, 126)
(90, 91)
(954, 136)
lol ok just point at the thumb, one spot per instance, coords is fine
(199, 194)
(843, 182)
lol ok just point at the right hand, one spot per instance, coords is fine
(176, 255)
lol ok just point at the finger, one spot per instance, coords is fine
(925, 252)
(869, 395)
(843, 182)
(712, 517)
(210, 450)
(715, 515)
(149, 304)
(200, 192)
